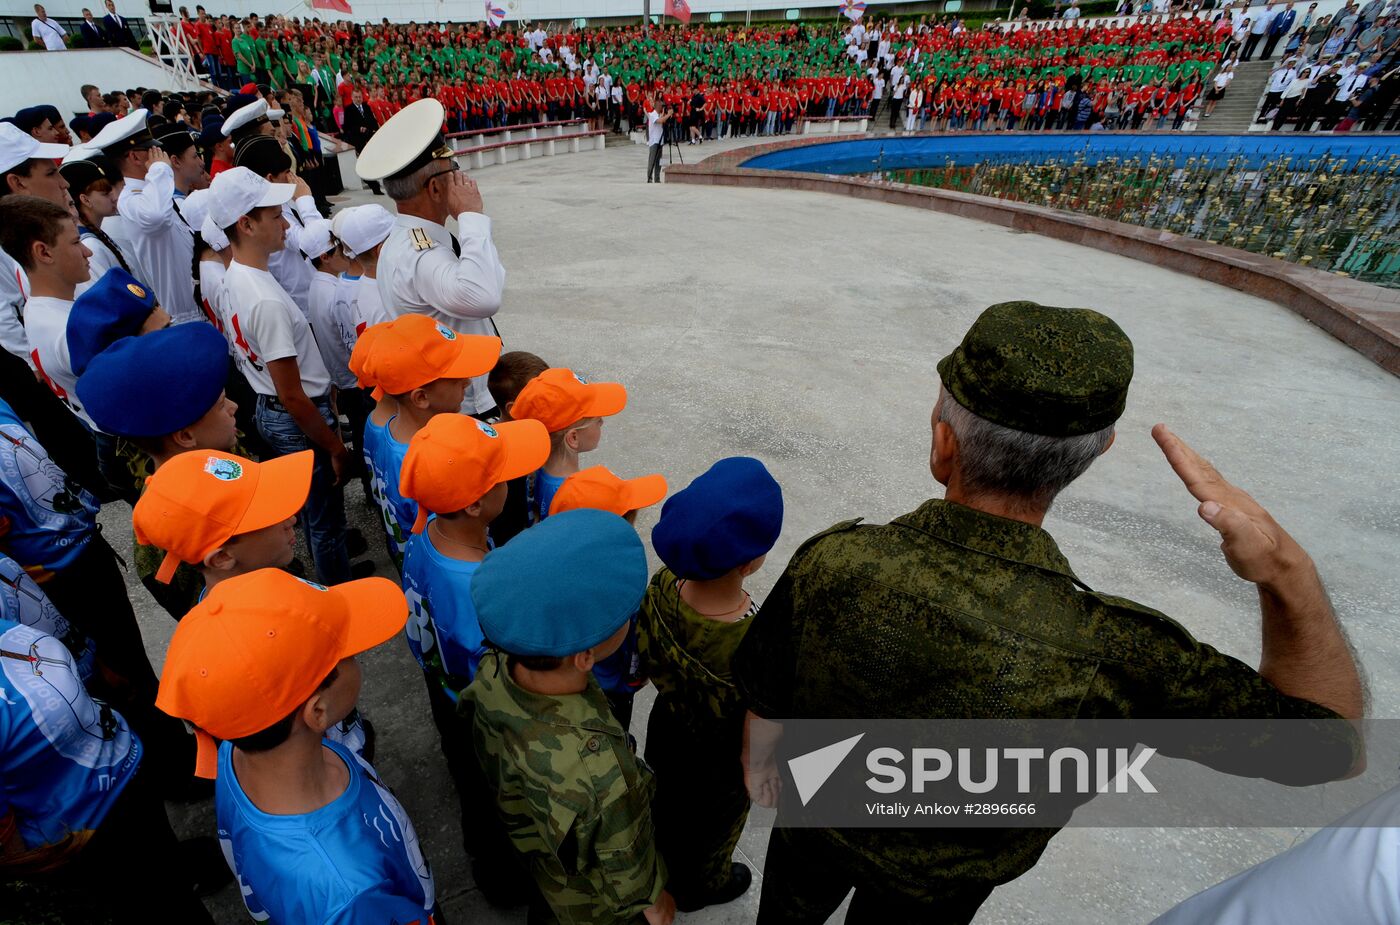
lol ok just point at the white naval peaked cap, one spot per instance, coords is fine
(80, 152)
(412, 138)
(244, 115)
(127, 128)
(237, 191)
(362, 227)
(275, 114)
(316, 238)
(18, 146)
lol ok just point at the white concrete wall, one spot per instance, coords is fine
(28, 78)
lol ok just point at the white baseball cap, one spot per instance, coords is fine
(362, 227)
(237, 191)
(317, 239)
(213, 235)
(194, 208)
(18, 146)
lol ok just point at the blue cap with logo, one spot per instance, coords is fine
(155, 384)
(112, 308)
(563, 586)
(731, 514)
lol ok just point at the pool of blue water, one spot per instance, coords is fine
(865, 155)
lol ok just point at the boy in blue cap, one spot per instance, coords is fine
(574, 799)
(117, 305)
(712, 535)
(181, 407)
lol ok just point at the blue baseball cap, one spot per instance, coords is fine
(155, 384)
(112, 308)
(563, 586)
(731, 514)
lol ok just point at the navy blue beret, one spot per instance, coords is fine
(562, 586)
(112, 308)
(731, 514)
(31, 117)
(155, 384)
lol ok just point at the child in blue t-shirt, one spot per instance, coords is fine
(456, 470)
(311, 832)
(572, 410)
(425, 367)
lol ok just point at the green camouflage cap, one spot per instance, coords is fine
(1061, 372)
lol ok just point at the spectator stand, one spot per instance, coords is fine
(507, 143)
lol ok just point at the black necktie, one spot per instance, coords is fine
(456, 246)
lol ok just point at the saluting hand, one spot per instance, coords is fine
(302, 188)
(1255, 546)
(462, 194)
(158, 156)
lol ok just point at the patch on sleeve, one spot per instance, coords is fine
(421, 241)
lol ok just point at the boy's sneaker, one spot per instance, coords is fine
(740, 879)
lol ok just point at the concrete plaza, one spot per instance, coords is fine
(804, 329)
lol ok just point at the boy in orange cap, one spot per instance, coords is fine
(572, 409)
(266, 663)
(457, 469)
(620, 674)
(426, 367)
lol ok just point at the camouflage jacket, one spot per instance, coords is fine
(687, 656)
(575, 801)
(951, 613)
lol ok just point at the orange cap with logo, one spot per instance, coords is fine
(598, 488)
(558, 399)
(360, 354)
(455, 460)
(198, 500)
(413, 350)
(259, 645)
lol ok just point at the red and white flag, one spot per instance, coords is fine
(852, 9)
(339, 6)
(678, 9)
(495, 15)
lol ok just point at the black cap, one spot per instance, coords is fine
(176, 138)
(263, 155)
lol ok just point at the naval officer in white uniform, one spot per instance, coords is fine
(455, 279)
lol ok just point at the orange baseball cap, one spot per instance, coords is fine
(198, 500)
(598, 488)
(455, 460)
(558, 398)
(260, 644)
(360, 354)
(413, 350)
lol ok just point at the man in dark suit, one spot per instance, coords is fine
(90, 31)
(1280, 27)
(118, 29)
(359, 127)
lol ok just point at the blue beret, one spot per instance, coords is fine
(112, 308)
(211, 131)
(30, 118)
(562, 586)
(731, 514)
(155, 384)
(101, 120)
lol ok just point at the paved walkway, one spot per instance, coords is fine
(804, 330)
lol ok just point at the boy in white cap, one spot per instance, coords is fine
(266, 157)
(363, 231)
(279, 357)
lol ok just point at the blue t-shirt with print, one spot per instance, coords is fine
(395, 512)
(444, 633)
(542, 487)
(50, 518)
(355, 860)
(22, 602)
(64, 757)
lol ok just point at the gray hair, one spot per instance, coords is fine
(997, 460)
(410, 185)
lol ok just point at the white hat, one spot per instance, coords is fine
(362, 227)
(275, 114)
(317, 239)
(81, 152)
(213, 235)
(244, 115)
(412, 138)
(237, 191)
(194, 208)
(128, 131)
(18, 146)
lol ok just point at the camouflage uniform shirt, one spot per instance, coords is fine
(951, 613)
(575, 801)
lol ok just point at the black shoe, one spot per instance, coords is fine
(362, 569)
(355, 545)
(738, 884)
(205, 867)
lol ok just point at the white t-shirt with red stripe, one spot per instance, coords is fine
(46, 326)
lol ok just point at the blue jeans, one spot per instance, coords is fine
(323, 518)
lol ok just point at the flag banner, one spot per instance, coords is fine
(339, 6)
(495, 15)
(678, 9)
(853, 9)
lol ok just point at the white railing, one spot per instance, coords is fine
(176, 58)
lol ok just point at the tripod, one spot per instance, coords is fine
(673, 146)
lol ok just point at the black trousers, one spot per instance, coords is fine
(654, 163)
(1270, 101)
(805, 879)
(1250, 44)
(1269, 44)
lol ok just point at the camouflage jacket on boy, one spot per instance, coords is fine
(575, 801)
